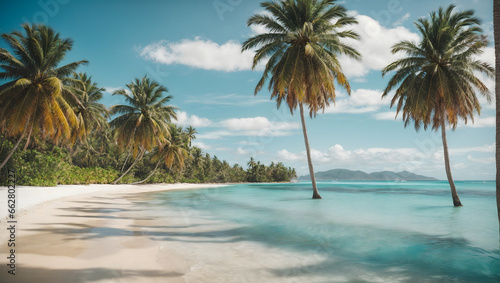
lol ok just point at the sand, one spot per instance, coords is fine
(87, 234)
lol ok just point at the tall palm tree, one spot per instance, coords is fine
(436, 78)
(143, 123)
(35, 100)
(91, 114)
(496, 26)
(302, 45)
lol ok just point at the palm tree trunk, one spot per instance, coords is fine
(139, 157)
(454, 195)
(151, 174)
(308, 151)
(29, 137)
(496, 26)
(9, 155)
(126, 160)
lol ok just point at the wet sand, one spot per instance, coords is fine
(97, 236)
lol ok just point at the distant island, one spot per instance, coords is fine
(349, 175)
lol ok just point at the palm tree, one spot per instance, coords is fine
(91, 114)
(144, 121)
(190, 133)
(173, 153)
(496, 21)
(302, 45)
(35, 100)
(436, 79)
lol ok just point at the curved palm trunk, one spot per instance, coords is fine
(149, 176)
(139, 157)
(11, 152)
(496, 26)
(454, 194)
(308, 151)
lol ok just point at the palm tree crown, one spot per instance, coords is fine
(35, 98)
(144, 122)
(436, 79)
(302, 45)
(91, 114)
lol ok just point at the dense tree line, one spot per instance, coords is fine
(54, 130)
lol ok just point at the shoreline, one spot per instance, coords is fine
(32, 197)
(87, 234)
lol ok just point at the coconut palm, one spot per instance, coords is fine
(436, 78)
(496, 23)
(143, 123)
(302, 45)
(191, 134)
(35, 99)
(91, 114)
(173, 153)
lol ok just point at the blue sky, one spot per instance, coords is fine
(193, 48)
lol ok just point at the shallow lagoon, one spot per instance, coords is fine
(358, 232)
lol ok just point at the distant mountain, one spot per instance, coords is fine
(349, 175)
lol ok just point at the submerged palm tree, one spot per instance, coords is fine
(144, 122)
(302, 45)
(35, 100)
(436, 79)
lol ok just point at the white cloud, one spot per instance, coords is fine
(381, 158)
(394, 159)
(375, 46)
(480, 122)
(200, 53)
(201, 145)
(110, 89)
(401, 20)
(388, 115)
(259, 126)
(486, 160)
(183, 119)
(360, 101)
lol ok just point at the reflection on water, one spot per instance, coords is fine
(359, 232)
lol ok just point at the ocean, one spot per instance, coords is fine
(359, 232)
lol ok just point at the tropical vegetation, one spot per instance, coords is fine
(302, 45)
(436, 81)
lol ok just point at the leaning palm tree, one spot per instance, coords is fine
(436, 79)
(302, 45)
(35, 100)
(143, 123)
(173, 153)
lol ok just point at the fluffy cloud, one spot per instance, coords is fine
(259, 126)
(375, 46)
(201, 54)
(397, 159)
(388, 115)
(183, 119)
(254, 126)
(360, 101)
(480, 122)
(426, 160)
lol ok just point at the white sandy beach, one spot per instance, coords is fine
(55, 243)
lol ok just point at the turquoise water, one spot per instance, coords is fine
(358, 232)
